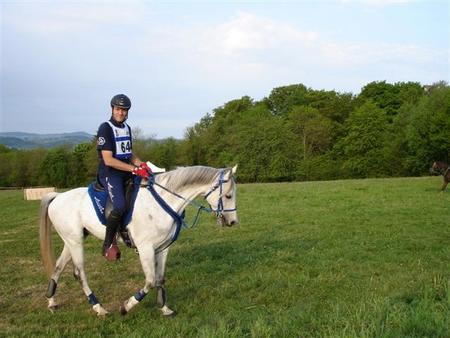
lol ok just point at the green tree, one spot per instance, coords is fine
(55, 168)
(363, 146)
(282, 99)
(313, 134)
(6, 165)
(428, 133)
(221, 133)
(33, 159)
(78, 166)
(334, 106)
(165, 153)
(194, 147)
(263, 147)
(390, 97)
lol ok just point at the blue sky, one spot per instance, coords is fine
(61, 62)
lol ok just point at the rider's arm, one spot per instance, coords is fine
(110, 161)
(105, 144)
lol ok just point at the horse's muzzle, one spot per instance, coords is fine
(223, 221)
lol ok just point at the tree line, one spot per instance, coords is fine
(294, 134)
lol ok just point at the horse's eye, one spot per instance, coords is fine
(228, 196)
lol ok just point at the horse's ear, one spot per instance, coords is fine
(229, 172)
(234, 169)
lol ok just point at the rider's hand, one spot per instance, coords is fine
(145, 167)
(141, 172)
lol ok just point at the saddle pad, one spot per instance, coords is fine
(100, 199)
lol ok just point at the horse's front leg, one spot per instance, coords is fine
(161, 297)
(147, 257)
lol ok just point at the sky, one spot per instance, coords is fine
(62, 61)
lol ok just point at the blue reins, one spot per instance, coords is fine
(179, 219)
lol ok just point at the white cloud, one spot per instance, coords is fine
(248, 32)
(252, 46)
(70, 17)
(250, 52)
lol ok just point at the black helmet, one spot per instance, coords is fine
(121, 100)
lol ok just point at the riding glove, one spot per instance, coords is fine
(139, 171)
(146, 167)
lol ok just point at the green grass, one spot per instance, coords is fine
(354, 258)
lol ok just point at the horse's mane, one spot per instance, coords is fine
(184, 176)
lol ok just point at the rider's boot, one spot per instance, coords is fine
(110, 249)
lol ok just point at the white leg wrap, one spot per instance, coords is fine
(52, 305)
(100, 310)
(166, 311)
(130, 303)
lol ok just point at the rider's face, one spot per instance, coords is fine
(119, 114)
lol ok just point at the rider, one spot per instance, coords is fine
(117, 164)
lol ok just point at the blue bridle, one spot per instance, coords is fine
(179, 219)
(220, 208)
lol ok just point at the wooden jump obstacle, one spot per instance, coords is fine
(31, 194)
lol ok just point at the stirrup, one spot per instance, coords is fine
(155, 169)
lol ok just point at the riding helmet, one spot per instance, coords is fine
(121, 100)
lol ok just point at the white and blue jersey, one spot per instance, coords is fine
(122, 142)
(116, 138)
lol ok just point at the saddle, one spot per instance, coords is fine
(103, 207)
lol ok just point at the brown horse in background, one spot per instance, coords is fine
(441, 168)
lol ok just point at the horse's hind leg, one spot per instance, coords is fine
(61, 263)
(76, 273)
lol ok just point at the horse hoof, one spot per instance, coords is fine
(102, 314)
(53, 308)
(123, 310)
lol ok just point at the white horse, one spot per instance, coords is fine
(151, 228)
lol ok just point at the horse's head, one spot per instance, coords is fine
(438, 168)
(222, 197)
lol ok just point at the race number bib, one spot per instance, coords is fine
(122, 138)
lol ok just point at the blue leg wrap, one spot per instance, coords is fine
(140, 295)
(92, 299)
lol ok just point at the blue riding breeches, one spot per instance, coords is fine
(116, 192)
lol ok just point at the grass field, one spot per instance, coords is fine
(354, 258)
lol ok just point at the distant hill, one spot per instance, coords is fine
(20, 140)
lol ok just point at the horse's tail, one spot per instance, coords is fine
(45, 234)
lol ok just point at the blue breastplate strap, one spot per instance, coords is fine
(167, 208)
